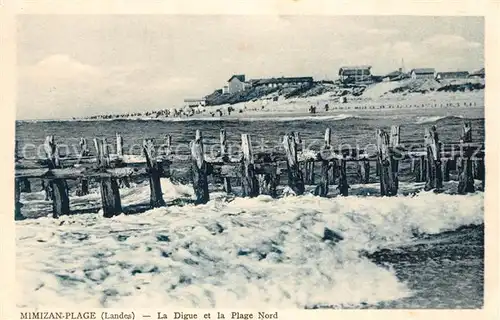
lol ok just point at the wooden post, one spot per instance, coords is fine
(123, 182)
(249, 182)
(434, 174)
(17, 201)
(155, 169)
(414, 169)
(333, 170)
(168, 144)
(422, 169)
(110, 192)
(268, 182)
(311, 168)
(394, 142)
(119, 145)
(364, 171)
(83, 183)
(479, 171)
(25, 185)
(323, 186)
(59, 187)
(199, 170)
(446, 169)
(303, 166)
(167, 152)
(295, 178)
(343, 186)
(225, 158)
(388, 186)
(465, 174)
(298, 141)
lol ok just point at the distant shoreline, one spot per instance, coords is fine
(298, 107)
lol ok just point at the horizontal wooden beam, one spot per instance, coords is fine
(76, 173)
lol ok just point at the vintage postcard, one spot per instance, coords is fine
(264, 165)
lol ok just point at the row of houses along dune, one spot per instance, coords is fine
(350, 74)
(347, 75)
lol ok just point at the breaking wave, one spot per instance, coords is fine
(431, 119)
(293, 252)
(271, 117)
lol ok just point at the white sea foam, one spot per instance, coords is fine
(266, 117)
(422, 120)
(258, 252)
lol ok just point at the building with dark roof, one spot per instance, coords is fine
(236, 83)
(394, 76)
(452, 75)
(477, 74)
(422, 73)
(355, 74)
(282, 82)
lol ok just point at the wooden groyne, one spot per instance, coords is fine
(257, 173)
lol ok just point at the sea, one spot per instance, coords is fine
(417, 250)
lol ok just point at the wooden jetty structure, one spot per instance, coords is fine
(257, 173)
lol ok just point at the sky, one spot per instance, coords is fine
(81, 65)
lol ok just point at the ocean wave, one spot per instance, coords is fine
(292, 252)
(254, 117)
(273, 117)
(431, 119)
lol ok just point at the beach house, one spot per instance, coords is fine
(195, 102)
(355, 74)
(422, 73)
(477, 74)
(452, 75)
(236, 83)
(394, 76)
(282, 82)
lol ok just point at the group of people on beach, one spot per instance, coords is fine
(170, 113)
(312, 108)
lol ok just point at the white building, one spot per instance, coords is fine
(422, 73)
(236, 83)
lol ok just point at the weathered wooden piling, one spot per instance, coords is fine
(258, 176)
(414, 169)
(17, 201)
(465, 170)
(388, 186)
(25, 185)
(422, 169)
(323, 186)
(479, 171)
(167, 151)
(59, 187)
(269, 181)
(434, 174)
(394, 142)
(446, 169)
(310, 172)
(249, 182)
(343, 186)
(83, 183)
(225, 159)
(364, 171)
(123, 182)
(295, 178)
(110, 191)
(119, 145)
(155, 171)
(333, 171)
(199, 170)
